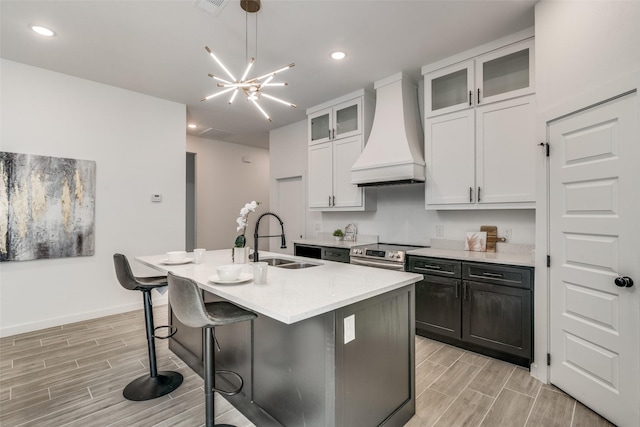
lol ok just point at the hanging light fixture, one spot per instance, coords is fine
(253, 87)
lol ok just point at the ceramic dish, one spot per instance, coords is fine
(182, 261)
(243, 278)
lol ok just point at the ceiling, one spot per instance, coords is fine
(157, 48)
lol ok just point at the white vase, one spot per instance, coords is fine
(240, 255)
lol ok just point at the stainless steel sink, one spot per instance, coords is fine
(276, 261)
(288, 263)
(297, 265)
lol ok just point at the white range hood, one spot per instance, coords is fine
(393, 152)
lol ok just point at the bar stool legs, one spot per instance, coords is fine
(157, 383)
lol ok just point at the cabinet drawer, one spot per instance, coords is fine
(434, 266)
(335, 254)
(498, 274)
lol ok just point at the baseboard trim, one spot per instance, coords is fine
(78, 317)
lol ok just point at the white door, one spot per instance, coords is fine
(290, 206)
(595, 239)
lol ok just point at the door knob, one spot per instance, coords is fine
(623, 282)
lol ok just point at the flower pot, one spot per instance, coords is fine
(240, 255)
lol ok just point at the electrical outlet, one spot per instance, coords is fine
(349, 328)
(507, 233)
(439, 230)
(156, 198)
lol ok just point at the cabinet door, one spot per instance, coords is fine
(497, 317)
(449, 89)
(345, 154)
(438, 306)
(320, 175)
(320, 125)
(347, 119)
(505, 73)
(506, 151)
(450, 158)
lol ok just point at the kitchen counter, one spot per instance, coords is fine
(506, 258)
(290, 296)
(333, 345)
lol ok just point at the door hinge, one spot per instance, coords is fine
(546, 147)
(548, 359)
(548, 261)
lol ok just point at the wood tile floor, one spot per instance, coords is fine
(73, 375)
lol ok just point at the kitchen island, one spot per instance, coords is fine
(333, 344)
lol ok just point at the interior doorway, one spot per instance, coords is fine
(190, 204)
(290, 204)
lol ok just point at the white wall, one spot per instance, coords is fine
(224, 183)
(138, 144)
(583, 51)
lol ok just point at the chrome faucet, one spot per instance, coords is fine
(283, 244)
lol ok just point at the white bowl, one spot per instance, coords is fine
(229, 271)
(176, 256)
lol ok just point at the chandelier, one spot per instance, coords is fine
(251, 87)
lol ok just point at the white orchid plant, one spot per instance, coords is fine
(241, 240)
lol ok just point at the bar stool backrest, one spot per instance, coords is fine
(124, 273)
(187, 304)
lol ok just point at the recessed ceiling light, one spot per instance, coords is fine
(338, 55)
(43, 31)
(192, 126)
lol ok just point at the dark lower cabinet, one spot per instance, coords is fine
(486, 308)
(322, 252)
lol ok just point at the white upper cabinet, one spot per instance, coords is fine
(339, 121)
(480, 138)
(505, 73)
(500, 74)
(337, 134)
(450, 89)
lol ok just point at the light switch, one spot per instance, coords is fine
(156, 198)
(349, 328)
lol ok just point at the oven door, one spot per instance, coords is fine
(389, 265)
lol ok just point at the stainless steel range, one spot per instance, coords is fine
(381, 255)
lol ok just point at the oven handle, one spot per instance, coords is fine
(368, 263)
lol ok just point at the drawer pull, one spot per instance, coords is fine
(428, 267)
(496, 275)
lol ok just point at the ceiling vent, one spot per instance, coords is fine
(213, 7)
(213, 133)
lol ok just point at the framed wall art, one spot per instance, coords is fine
(47, 207)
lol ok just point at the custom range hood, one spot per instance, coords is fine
(393, 152)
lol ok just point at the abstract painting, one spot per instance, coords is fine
(47, 207)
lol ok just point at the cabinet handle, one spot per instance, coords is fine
(470, 194)
(470, 95)
(495, 275)
(329, 200)
(478, 96)
(428, 267)
(478, 194)
(333, 199)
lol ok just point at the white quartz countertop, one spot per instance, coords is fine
(290, 296)
(507, 258)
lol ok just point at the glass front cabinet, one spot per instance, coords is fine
(501, 74)
(340, 121)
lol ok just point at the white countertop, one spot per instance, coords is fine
(290, 296)
(507, 258)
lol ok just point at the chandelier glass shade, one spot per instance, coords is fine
(252, 88)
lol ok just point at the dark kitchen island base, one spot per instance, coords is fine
(304, 374)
